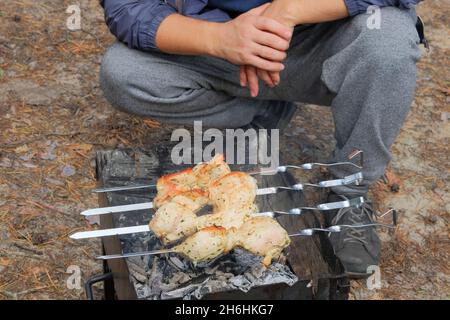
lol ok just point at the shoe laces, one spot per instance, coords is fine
(356, 216)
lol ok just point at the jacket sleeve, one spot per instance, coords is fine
(360, 6)
(135, 22)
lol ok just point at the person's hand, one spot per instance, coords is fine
(253, 40)
(287, 12)
(250, 75)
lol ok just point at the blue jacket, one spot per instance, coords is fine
(135, 22)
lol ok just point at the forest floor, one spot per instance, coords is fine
(53, 117)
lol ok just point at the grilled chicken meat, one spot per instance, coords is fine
(177, 219)
(262, 236)
(207, 172)
(198, 178)
(229, 218)
(207, 244)
(234, 190)
(171, 185)
(232, 197)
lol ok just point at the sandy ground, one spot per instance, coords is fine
(53, 118)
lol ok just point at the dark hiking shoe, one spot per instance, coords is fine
(356, 248)
(276, 116)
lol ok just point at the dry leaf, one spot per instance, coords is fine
(22, 149)
(5, 262)
(83, 147)
(152, 123)
(392, 179)
(38, 270)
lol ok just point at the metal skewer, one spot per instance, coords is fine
(304, 232)
(353, 179)
(321, 207)
(117, 209)
(145, 228)
(110, 232)
(338, 228)
(305, 166)
(280, 169)
(136, 254)
(123, 188)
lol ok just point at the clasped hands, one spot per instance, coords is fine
(257, 41)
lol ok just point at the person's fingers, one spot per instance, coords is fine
(275, 77)
(243, 76)
(264, 64)
(265, 76)
(275, 27)
(269, 53)
(271, 40)
(252, 78)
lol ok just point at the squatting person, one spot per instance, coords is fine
(230, 63)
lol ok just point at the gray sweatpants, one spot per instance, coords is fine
(367, 76)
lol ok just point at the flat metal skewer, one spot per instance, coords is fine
(136, 254)
(145, 228)
(304, 233)
(349, 180)
(280, 169)
(110, 232)
(321, 207)
(123, 188)
(338, 228)
(117, 209)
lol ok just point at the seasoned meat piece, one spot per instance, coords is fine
(171, 185)
(177, 218)
(264, 237)
(235, 190)
(230, 218)
(207, 244)
(232, 197)
(198, 178)
(207, 172)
